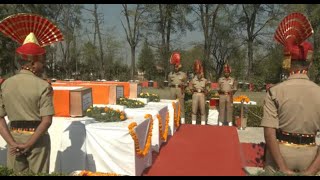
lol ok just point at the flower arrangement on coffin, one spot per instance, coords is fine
(130, 103)
(90, 173)
(106, 114)
(241, 98)
(151, 97)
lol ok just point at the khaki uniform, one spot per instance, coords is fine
(226, 88)
(293, 106)
(198, 87)
(177, 82)
(26, 97)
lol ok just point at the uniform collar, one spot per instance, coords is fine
(23, 71)
(298, 76)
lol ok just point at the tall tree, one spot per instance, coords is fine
(254, 18)
(207, 15)
(164, 21)
(132, 29)
(146, 62)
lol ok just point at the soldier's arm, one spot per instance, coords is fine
(270, 123)
(219, 85)
(235, 86)
(46, 113)
(314, 168)
(4, 130)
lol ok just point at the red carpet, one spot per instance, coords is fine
(253, 154)
(197, 150)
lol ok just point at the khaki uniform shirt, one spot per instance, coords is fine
(199, 84)
(26, 97)
(178, 78)
(293, 106)
(227, 84)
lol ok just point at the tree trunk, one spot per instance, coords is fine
(100, 41)
(133, 62)
(250, 59)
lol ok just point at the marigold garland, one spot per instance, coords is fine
(176, 114)
(90, 173)
(179, 114)
(163, 135)
(145, 151)
(106, 114)
(241, 98)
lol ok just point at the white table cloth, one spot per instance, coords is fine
(172, 127)
(154, 111)
(68, 151)
(112, 149)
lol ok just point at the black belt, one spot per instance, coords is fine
(196, 91)
(294, 138)
(24, 124)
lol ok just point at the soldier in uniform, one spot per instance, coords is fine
(227, 87)
(177, 83)
(25, 97)
(199, 89)
(291, 115)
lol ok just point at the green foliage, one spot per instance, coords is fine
(105, 114)
(152, 97)
(258, 84)
(212, 94)
(4, 171)
(130, 103)
(146, 62)
(252, 113)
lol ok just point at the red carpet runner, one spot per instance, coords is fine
(197, 150)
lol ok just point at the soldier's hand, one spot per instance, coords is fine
(287, 171)
(308, 172)
(13, 149)
(24, 148)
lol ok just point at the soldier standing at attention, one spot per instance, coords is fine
(291, 113)
(177, 83)
(25, 97)
(227, 87)
(198, 87)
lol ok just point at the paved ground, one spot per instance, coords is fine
(251, 135)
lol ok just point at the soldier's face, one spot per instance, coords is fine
(226, 74)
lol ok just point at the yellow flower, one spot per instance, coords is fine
(88, 110)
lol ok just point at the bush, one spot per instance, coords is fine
(4, 171)
(252, 113)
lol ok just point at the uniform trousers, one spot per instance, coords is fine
(176, 93)
(36, 160)
(198, 102)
